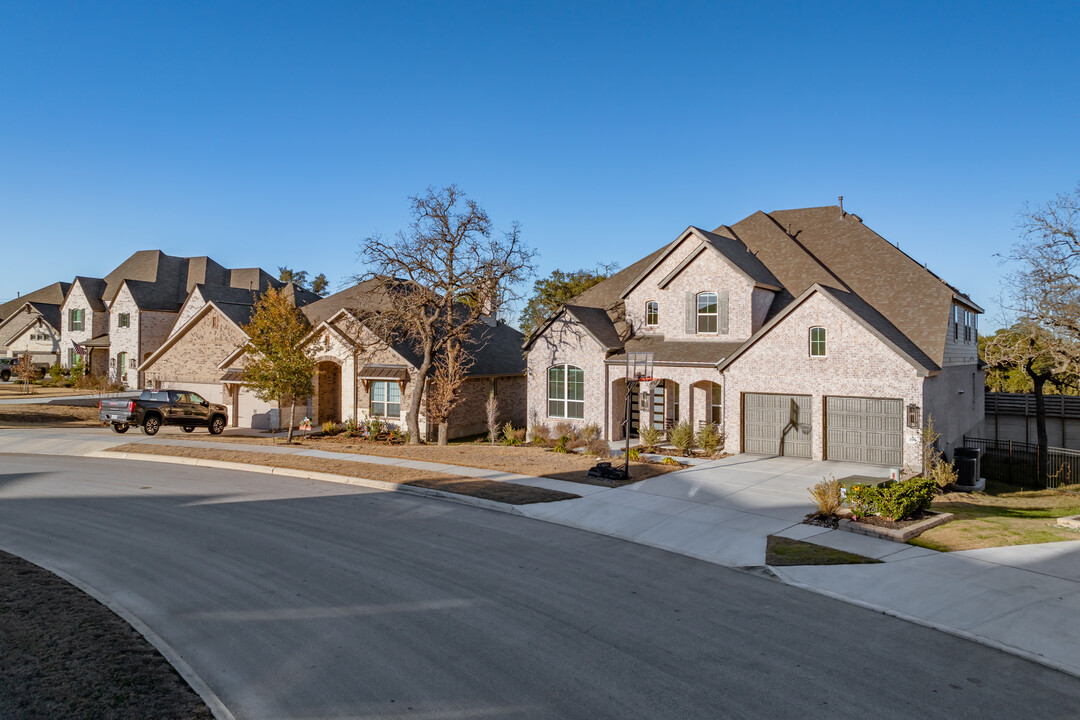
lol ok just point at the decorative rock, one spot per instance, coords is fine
(1072, 522)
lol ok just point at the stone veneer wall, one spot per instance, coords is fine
(857, 365)
(567, 342)
(708, 272)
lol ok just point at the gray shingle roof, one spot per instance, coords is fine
(598, 323)
(697, 352)
(53, 294)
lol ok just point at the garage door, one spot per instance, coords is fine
(777, 424)
(866, 430)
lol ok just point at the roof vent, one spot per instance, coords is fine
(841, 199)
(856, 217)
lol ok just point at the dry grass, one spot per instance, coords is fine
(17, 415)
(488, 489)
(14, 389)
(1007, 518)
(65, 655)
(780, 551)
(521, 459)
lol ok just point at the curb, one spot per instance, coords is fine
(313, 475)
(192, 678)
(915, 620)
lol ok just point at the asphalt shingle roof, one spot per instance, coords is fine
(53, 294)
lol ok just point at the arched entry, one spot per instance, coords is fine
(327, 392)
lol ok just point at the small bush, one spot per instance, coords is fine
(330, 428)
(540, 433)
(899, 500)
(561, 443)
(682, 437)
(56, 372)
(634, 454)
(709, 438)
(650, 437)
(510, 436)
(941, 473)
(565, 428)
(374, 426)
(670, 461)
(599, 447)
(589, 432)
(862, 499)
(827, 495)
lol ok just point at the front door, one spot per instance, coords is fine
(647, 404)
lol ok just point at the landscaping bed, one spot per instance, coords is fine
(505, 492)
(520, 459)
(17, 415)
(65, 655)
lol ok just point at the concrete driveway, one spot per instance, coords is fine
(722, 511)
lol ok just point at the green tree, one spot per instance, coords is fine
(320, 285)
(296, 277)
(554, 291)
(280, 364)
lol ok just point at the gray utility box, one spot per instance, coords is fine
(967, 466)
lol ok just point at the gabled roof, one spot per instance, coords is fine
(731, 251)
(52, 294)
(596, 321)
(151, 295)
(92, 289)
(859, 310)
(27, 317)
(229, 311)
(363, 294)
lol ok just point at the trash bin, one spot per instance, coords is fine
(967, 465)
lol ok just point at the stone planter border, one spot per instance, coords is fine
(901, 535)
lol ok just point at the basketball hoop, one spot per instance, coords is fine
(639, 367)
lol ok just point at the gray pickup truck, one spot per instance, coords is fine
(155, 408)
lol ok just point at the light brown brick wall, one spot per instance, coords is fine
(194, 356)
(566, 342)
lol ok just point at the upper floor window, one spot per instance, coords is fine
(706, 312)
(125, 320)
(566, 392)
(75, 319)
(385, 398)
(817, 342)
(652, 313)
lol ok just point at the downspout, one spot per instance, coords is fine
(355, 387)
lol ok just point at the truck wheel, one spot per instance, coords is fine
(217, 425)
(120, 428)
(5, 375)
(188, 428)
(151, 425)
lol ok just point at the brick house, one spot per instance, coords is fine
(797, 332)
(119, 321)
(31, 323)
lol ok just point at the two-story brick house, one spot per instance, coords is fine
(798, 332)
(30, 323)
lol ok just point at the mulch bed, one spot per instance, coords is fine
(65, 655)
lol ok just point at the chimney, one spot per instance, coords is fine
(842, 213)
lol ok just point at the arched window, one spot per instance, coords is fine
(817, 342)
(706, 312)
(652, 313)
(566, 392)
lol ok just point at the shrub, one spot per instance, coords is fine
(599, 447)
(862, 499)
(650, 437)
(349, 427)
(827, 495)
(589, 432)
(899, 500)
(709, 438)
(561, 443)
(510, 436)
(941, 473)
(374, 426)
(671, 461)
(565, 428)
(540, 433)
(682, 437)
(635, 454)
(56, 372)
(330, 428)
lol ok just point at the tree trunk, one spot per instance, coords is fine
(292, 417)
(412, 418)
(1040, 425)
(442, 433)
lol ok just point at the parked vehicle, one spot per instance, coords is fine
(155, 408)
(6, 368)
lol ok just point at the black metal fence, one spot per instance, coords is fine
(1018, 463)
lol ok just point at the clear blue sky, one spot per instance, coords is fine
(276, 133)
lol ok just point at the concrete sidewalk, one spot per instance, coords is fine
(1022, 599)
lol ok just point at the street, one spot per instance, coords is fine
(300, 599)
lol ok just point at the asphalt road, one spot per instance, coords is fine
(298, 599)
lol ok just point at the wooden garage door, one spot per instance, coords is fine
(776, 424)
(866, 430)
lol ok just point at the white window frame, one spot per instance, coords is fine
(706, 316)
(123, 320)
(824, 342)
(385, 402)
(716, 409)
(652, 308)
(559, 402)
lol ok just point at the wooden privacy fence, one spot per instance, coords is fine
(1017, 463)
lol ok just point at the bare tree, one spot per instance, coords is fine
(441, 277)
(443, 392)
(26, 371)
